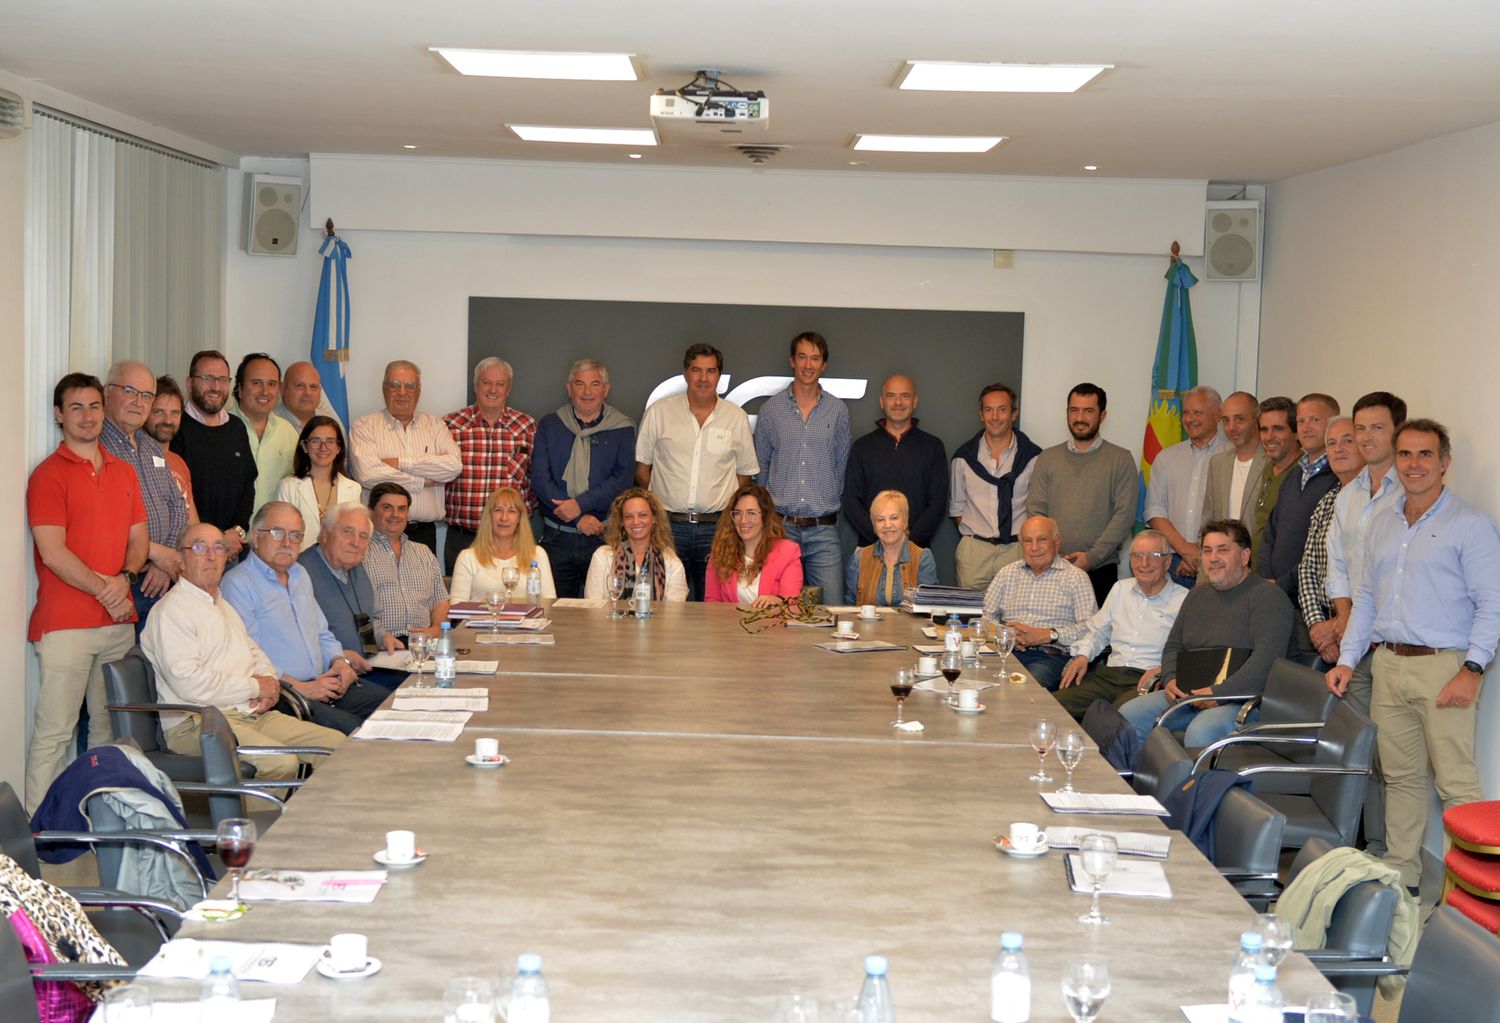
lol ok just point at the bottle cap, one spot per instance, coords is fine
(447, 626)
(529, 962)
(1011, 941)
(1251, 941)
(875, 966)
(220, 964)
(1265, 973)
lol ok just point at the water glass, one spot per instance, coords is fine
(128, 1004)
(1070, 747)
(469, 1000)
(796, 1009)
(1098, 853)
(1085, 986)
(616, 585)
(1331, 1007)
(420, 646)
(1275, 937)
(1005, 642)
(1043, 738)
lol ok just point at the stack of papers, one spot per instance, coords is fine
(1131, 843)
(858, 646)
(266, 962)
(508, 639)
(402, 730)
(1143, 879)
(472, 698)
(311, 885)
(511, 624)
(583, 602)
(944, 599)
(1099, 802)
(400, 660)
(506, 612)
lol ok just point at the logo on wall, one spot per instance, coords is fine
(848, 388)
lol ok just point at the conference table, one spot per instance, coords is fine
(696, 821)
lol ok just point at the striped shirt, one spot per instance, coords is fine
(802, 460)
(1061, 598)
(166, 509)
(497, 455)
(406, 590)
(424, 451)
(1313, 569)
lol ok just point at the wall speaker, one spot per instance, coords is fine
(1231, 240)
(271, 208)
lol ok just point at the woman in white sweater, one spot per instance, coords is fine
(319, 478)
(637, 534)
(503, 540)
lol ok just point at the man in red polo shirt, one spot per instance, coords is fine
(88, 522)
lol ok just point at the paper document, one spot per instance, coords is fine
(512, 639)
(444, 717)
(858, 646)
(311, 885)
(850, 609)
(261, 961)
(1131, 843)
(1100, 802)
(1143, 879)
(405, 701)
(940, 685)
(1220, 1013)
(250, 1010)
(584, 602)
(409, 731)
(937, 648)
(509, 624)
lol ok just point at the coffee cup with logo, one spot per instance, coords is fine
(1026, 837)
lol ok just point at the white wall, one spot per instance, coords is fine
(1384, 274)
(15, 600)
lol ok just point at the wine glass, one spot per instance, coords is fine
(1085, 986)
(469, 1000)
(1043, 738)
(980, 632)
(1331, 1007)
(509, 576)
(420, 645)
(1098, 854)
(901, 683)
(952, 666)
(616, 584)
(493, 601)
(797, 1009)
(236, 841)
(1005, 642)
(1070, 751)
(129, 1003)
(1275, 937)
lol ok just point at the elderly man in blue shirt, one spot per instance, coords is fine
(802, 443)
(1430, 603)
(274, 596)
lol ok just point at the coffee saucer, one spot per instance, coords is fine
(325, 967)
(846, 635)
(969, 711)
(385, 861)
(478, 761)
(1002, 842)
(925, 675)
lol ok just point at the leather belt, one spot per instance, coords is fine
(694, 517)
(996, 541)
(806, 521)
(1408, 650)
(549, 524)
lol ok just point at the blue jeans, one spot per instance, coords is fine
(569, 554)
(694, 541)
(1045, 666)
(822, 560)
(1204, 727)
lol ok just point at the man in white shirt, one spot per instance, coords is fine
(1134, 623)
(1179, 479)
(991, 472)
(202, 655)
(402, 445)
(693, 451)
(1233, 476)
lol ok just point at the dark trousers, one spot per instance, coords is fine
(454, 544)
(694, 542)
(345, 714)
(1046, 664)
(424, 533)
(1117, 685)
(570, 554)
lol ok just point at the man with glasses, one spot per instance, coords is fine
(273, 441)
(198, 646)
(402, 445)
(89, 525)
(216, 448)
(339, 581)
(274, 598)
(1133, 623)
(129, 390)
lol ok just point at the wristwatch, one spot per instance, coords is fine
(131, 578)
(1474, 666)
(1053, 634)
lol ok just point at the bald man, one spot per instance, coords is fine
(302, 396)
(897, 455)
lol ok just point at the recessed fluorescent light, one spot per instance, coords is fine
(928, 143)
(635, 156)
(1091, 166)
(953, 76)
(592, 136)
(581, 67)
(408, 147)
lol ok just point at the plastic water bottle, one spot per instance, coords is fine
(444, 669)
(953, 639)
(221, 992)
(534, 583)
(528, 992)
(1010, 982)
(640, 598)
(875, 1005)
(1263, 1003)
(1242, 973)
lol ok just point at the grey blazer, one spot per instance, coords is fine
(1220, 476)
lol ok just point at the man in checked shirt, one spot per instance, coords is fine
(495, 443)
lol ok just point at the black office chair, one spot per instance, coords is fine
(1247, 845)
(1162, 765)
(130, 687)
(1296, 701)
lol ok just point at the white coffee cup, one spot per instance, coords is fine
(1025, 837)
(927, 665)
(487, 749)
(400, 846)
(966, 649)
(968, 699)
(868, 612)
(845, 626)
(348, 952)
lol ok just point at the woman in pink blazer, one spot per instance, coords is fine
(752, 562)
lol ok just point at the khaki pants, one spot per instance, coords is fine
(1117, 685)
(1413, 734)
(272, 728)
(72, 663)
(978, 561)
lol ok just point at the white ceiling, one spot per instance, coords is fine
(1245, 92)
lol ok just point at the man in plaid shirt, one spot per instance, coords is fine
(1346, 460)
(495, 443)
(1047, 598)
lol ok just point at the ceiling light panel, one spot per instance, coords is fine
(588, 136)
(927, 143)
(953, 76)
(578, 67)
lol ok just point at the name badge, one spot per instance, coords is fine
(158, 461)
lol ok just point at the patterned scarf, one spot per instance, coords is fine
(655, 564)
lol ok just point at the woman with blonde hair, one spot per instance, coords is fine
(891, 566)
(752, 561)
(503, 541)
(637, 534)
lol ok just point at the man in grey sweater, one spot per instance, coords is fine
(1090, 488)
(1237, 610)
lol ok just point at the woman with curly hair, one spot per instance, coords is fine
(752, 562)
(637, 534)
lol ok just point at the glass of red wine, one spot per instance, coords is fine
(952, 666)
(901, 683)
(236, 841)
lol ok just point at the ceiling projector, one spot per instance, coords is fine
(709, 108)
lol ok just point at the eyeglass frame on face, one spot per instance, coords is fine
(294, 535)
(744, 513)
(202, 547)
(133, 394)
(321, 442)
(1146, 555)
(209, 378)
(402, 385)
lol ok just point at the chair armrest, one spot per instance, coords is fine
(246, 789)
(271, 751)
(1301, 769)
(1188, 701)
(1213, 749)
(167, 841)
(155, 911)
(1239, 719)
(81, 972)
(1367, 968)
(1234, 874)
(151, 708)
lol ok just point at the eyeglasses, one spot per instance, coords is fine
(402, 385)
(1146, 555)
(134, 394)
(319, 442)
(206, 378)
(745, 513)
(201, 548)
(282, 535)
